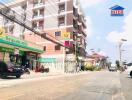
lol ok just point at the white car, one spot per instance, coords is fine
(113, 67)
(129, 71)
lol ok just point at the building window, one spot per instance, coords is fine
(41, 23)
(6, 29)
(44, 49)
(61, 21)
(11, 14)
(37, 2)
(6, 21)
(24, 6)
(61, 8)
(35, 13)
(34, 25)
(38, 25)
(57, 47)
(41, 12)
(23, 17)
(58, 33)
(11, 28)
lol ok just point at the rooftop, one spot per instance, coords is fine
(117, 7)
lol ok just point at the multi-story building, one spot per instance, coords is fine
(60, 20)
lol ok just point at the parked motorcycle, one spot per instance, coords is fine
(26, 70)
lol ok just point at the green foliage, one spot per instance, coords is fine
(97, 69)
(92, 68)
(89, 68)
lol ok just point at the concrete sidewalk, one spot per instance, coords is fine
(39, 74)
(33, 76)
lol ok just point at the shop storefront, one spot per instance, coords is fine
(33, 60)
(19, 52)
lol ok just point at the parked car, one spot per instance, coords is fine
(129, 71)
(9, 69)
(113, 67)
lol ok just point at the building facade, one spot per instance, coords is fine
(60, 20)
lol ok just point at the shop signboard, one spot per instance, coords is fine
(67, 43)
(14, 40)
(4, 38)
(4, 49)
(66, 35)
(2, 32)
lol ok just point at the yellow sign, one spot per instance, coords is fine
(2, 32)
(66, 35)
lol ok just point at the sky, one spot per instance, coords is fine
(7, 1)
(105, 31)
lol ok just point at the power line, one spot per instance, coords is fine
(51, 23)
(48, 34)
(12, 18)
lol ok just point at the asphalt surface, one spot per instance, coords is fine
(126, 83)
(101, 85)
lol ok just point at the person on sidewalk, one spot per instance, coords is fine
(42, 68)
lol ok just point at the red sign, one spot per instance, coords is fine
(67, 43)
(117, 12)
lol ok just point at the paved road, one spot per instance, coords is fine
(126, 83)
(90, 86)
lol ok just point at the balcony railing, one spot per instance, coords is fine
(79, 35)
(38, 5)
(84, 22)
(61, 24)
(61, 11)
(38, 17)
(40, 28)
(75, 16)
(79, 23)
(81, 46)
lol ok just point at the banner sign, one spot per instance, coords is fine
(13, 40)
(67, 43)
(66, 35)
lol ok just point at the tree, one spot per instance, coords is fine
(103, 62)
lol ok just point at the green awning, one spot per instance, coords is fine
(20, 45)
(47, 60)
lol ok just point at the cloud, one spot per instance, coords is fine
(115, 36)
(84, 5)
(89, 3)
(89, 26)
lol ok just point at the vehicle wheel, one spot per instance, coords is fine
(131, 73)
(18, 76)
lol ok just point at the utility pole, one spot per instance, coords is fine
(120, 53)
(120, 50)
